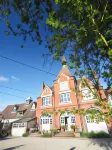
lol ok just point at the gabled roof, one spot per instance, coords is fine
(52, 88)
(9, 114)
(65, 71)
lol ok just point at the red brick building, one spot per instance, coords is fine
(61, 96)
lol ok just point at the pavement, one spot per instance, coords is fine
(38, 143)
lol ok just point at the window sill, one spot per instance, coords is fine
(88, 100)
(64, 91)
(45, 106)
(65, 103)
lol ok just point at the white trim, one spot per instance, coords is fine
(68, 91)
(70, 102)
(46, 106)
(65, 75)
(45, 89)
(88, 100)
(46, 95)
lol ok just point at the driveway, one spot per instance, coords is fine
(35, 143)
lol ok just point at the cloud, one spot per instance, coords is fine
(15, 78)
(3, 79)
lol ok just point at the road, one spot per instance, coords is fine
(35, 143)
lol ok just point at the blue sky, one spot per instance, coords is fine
(21, 77)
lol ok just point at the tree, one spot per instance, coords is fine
(82, 29)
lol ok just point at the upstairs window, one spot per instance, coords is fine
(20, 113)
(46, 90)
(110, 99)
(46, 101)
(65, 98)
(33, 106)
(15, 109)
(87, 95)
(63, 86)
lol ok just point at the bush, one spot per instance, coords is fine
(25, 134)
(47, 135)
(39, 132)
(72, 126)
(92, 134)
(54, 130)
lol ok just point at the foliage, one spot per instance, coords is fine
(54, 130)
(25, 134)
(80, 29)
(100, 134)
(62, 126)
(72, 126)
(47, 135)
(39, 132)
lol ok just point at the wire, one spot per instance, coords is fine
(13, 95)
(26, 65)
(17, 89)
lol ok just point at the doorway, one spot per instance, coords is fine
(66, 123)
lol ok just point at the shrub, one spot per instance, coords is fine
(92, 134)
(47, 135)
(54, 130)
(62, 126)
(72, 126)
(25, 134)
(39, 132)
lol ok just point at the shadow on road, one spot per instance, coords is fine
(73, 148)
(7, 138)
(105, 143)
(15, 147)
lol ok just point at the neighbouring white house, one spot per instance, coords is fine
(20, 116)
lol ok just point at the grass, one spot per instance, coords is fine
(100, 134)
(47, 135)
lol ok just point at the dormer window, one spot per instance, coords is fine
(33, 107)
(15, 109)
(20, 113)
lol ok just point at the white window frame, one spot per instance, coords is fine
(46, 120)
(62, 120)
(45, 101)
(46, 90)
(64, 96)
(89, 97)
(62, 88)
(33, 107)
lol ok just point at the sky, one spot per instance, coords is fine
(17, 76)
(21, 77)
